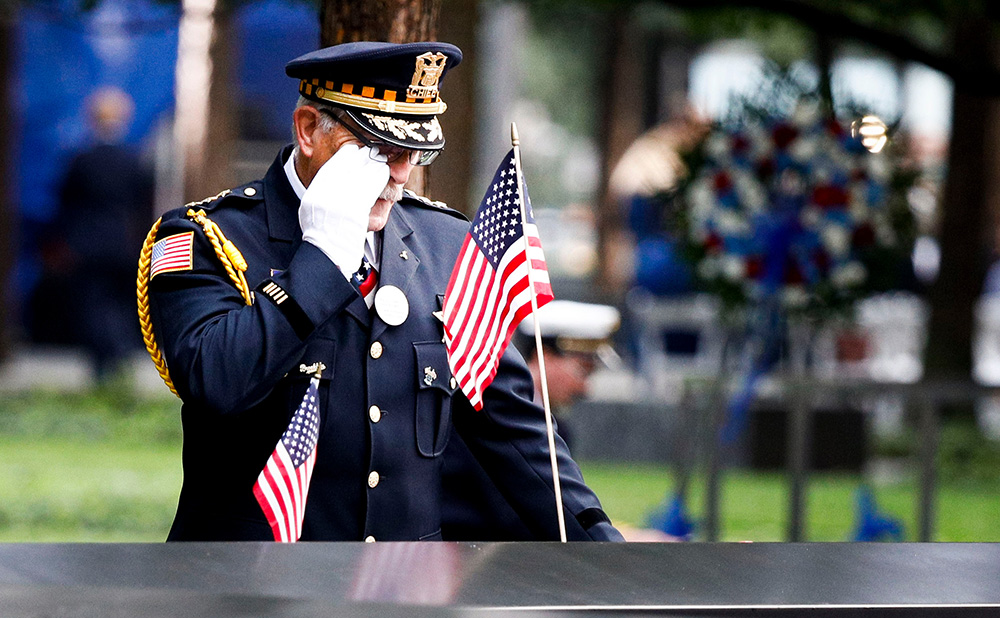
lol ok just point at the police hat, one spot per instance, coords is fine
(569, 326)
(389, 89)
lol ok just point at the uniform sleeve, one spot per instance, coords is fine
(223, 354)
(508, 439)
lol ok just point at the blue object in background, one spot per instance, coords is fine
(873, 525)
(671, 518)
(271, 33)
(645, 215)
(660, 268)
(63, 54)
(767, 323)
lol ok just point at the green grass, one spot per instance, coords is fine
(755, 505)
(106, 467)
(68, 489)
(99, 467)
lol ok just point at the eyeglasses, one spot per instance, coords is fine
(391, 152)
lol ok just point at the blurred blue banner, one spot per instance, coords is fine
(271, 33)
(64, 53)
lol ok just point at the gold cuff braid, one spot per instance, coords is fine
(231, 258)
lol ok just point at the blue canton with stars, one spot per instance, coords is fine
(362, 274)
(300, 437)
(497, 224)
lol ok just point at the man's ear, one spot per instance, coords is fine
(307, 129)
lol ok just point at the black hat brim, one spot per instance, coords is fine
(414, 132)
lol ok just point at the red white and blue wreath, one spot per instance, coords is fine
(796, 209)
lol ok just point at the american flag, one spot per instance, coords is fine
(172, 253)
(366, 280)
(488, 294)
(283, 485)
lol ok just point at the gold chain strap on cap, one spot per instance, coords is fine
(231, 258)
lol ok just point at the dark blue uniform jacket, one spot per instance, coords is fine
(236, 367)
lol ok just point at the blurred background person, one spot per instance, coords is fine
(652, 167)
(575, 338)
(662, 316)
(86, 295)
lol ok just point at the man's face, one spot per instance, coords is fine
(329, 141)
(567, 374)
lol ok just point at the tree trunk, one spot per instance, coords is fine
(824, 62)
(454, 168)
(8, 239)
(222, 124)
(968, 215)
(212, 173)
(621, 123)
(394, 21)
(204, 122)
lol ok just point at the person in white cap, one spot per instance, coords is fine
(575, 338)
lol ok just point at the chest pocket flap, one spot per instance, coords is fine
(435, 387)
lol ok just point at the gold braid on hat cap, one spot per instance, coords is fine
(343, 94)
(421, 96)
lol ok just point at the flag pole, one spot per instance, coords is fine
(515, 141)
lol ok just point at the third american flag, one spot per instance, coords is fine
(282, 487)
(488, 294)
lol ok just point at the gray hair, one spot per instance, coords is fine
(325, 122)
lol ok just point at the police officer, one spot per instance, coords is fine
(575, 336)
(328, 219)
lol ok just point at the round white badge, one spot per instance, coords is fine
(391, 305)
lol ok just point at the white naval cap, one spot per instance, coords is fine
(573, 326)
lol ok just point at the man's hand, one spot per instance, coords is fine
(334, 210)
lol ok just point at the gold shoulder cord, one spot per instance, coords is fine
(231, 258)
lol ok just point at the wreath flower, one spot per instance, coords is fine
(795, 208)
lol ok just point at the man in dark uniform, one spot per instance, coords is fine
(105, 207)
(331, 205)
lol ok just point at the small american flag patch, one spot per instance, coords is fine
(172, 253)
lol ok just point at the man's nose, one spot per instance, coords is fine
(399, 170)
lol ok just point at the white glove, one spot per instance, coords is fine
(334, 210)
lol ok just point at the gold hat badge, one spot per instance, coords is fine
(426, 75)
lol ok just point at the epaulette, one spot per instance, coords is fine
(418, 200)
(253, 191)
